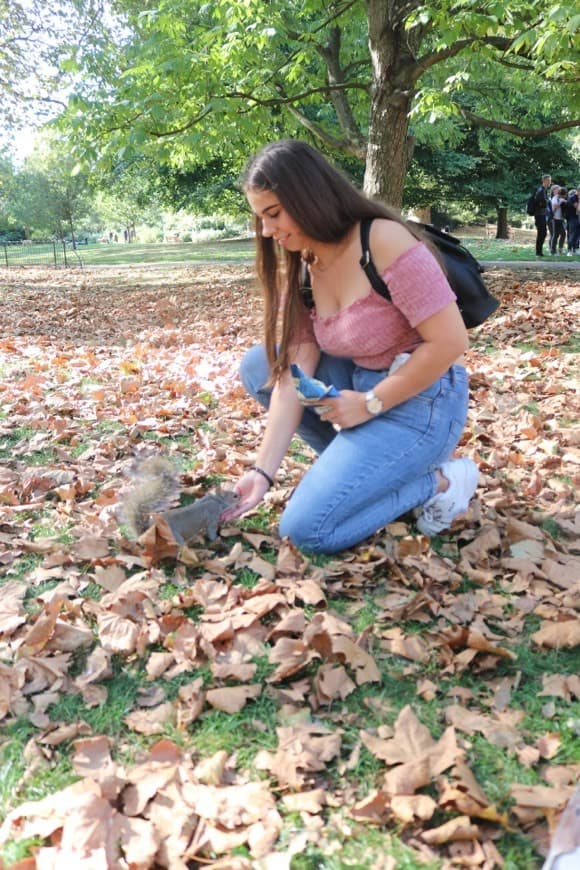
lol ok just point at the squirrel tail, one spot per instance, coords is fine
(155, 488)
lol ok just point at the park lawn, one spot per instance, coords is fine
(409, 698)
(239, 250)
(520, 248)
(101, 254)
(214, 251)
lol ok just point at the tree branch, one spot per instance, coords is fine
(429, 60)
(351, 148)
(286, 100)
(533, 133)
(330, 52)
(299, 37)
(163, 134)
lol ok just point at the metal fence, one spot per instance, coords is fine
(27, 253)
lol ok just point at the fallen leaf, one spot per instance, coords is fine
(233, 699)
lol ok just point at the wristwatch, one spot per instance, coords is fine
(373, 403)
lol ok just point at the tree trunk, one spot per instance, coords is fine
(502, 223)
(389, 150)
(72, 233)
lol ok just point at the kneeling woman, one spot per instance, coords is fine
(384, 445)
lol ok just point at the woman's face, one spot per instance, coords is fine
(276, 222)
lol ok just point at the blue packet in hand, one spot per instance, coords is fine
(310, 390)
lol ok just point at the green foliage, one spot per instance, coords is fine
(201, 87)
(195, 89)
(46, 196)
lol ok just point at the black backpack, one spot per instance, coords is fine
(531, 204)
(474, 300)
(568, 209)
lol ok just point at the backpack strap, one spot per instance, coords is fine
(366, 261)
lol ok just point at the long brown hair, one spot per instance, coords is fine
(324, 204)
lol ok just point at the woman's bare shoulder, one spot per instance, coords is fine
(388, 240)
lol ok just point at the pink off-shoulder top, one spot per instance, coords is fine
(372, 330)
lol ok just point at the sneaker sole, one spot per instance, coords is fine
(469, 479)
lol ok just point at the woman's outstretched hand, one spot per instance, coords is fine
(251, 488)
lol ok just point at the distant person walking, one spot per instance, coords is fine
(559, 199)
(540, 213)
(573, 222)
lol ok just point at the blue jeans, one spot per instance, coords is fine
(367, 476)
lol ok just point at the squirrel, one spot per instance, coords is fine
(156, 487)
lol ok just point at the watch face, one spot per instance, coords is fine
(374, 404)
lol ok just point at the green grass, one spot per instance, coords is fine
(242, 251)
(21, 567)
(365, 847)
(101, 254)
(14, 786)
(511, 251)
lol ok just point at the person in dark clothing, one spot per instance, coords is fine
(558, 201)
(573, 222)
(540, 216)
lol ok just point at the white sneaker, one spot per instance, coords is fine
(439, 512)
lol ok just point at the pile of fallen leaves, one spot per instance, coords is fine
(101, 367)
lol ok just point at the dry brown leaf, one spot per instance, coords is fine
(39, 634)
(332, 682)
(541, 796)
(498, 733)
(233, 699)
(561, 686)
(12, 612)
(210, 771)
(414, 749)
(305, 801)
(465, 795)
(151, 721)
(302, 750)
(227, 670)
(91, 755)
(97, 667)
(407, 808)
(61, 733)
(487, 541)
(138, 839)
(406, 778)
(549, 745)
(410, 646)
(230, 806)
(460, 828)
(291, 656)
(558, 635)
(116, 634)
(375, 807)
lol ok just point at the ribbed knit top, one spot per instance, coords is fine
(372, 330)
